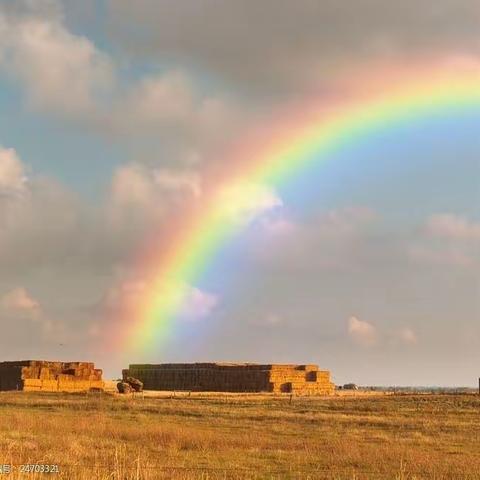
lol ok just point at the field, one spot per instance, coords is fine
(240, 436)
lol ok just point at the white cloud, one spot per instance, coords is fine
(12, 172)
(447, 225)
(367, 334)
(164, 99)
(447, 239)
(132, 184)
(61, 72)
(178, 181)
(243, 201)
(40, 226)
(135, 184)
(197, 304)
(38, 217)
(19, 302)
(144, 196)
(66, 74)
(362, 332)
(126, 297)
(408, 336)
(171, 105)
(278, 226)
(25, 313)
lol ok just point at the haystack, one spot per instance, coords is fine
(233, 377)
(46, 376)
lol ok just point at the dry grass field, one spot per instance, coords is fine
(239, 436)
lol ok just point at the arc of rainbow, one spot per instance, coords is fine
(193, 249)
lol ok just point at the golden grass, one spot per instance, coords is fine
(236, 436)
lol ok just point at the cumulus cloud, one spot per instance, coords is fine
(158, 100)
(27, 321)
(128, 295)
(278, 226)
(447, 239)
(45, 225)
(125, 295)
(452, 226)
(408, 336)
(339, 223)
(67, 74)
(243, 201)
(12, 172)
(171, 102)
(367, 334)
(141, 195)
(19, 302)
(197, 304)
(61, 72)
(187, 181)
(190, 123)
(39, 218)
(132, 185)
(41, 226)
(362, 332)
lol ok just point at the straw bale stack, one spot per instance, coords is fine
(39, 375)
(233, 377)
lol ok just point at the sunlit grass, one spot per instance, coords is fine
(255, 437)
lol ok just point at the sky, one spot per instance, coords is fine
(113, 116)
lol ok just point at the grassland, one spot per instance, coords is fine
(254, 437)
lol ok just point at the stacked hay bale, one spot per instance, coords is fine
(200, 377)
(233, 377)
(301, 379)
(45, 376)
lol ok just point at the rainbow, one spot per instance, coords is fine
(179, 264)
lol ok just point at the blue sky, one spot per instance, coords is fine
(112, 115)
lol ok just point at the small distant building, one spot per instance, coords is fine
(45, 376)
(233, 377)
